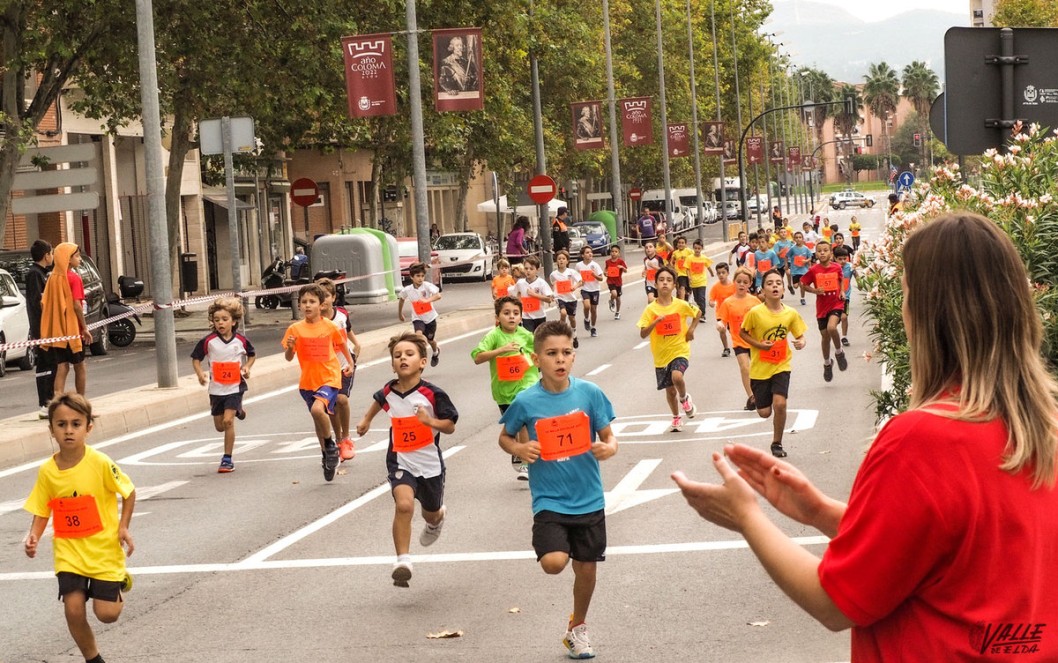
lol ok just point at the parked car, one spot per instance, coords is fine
(576, 241)
(843, 199)
(408, 249)
(469, 251)
(733, 210)
(14, 325)
(595, 235)
(18, 262)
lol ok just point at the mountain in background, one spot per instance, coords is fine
(829, 38)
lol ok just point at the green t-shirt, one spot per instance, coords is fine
(504, 391)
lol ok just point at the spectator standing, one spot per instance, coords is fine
(515, 251)
(299, 264)
(560, 230)
(647, 226)
(36, 278)
(62, 315)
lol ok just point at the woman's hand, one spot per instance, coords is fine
(728, 505)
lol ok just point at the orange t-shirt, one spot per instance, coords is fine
(721, 291)
(317, 346)
(500, 285)
(731, 312)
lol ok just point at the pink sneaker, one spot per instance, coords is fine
(346, 449)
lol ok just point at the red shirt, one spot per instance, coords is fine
(619, 263)
(941, 555)
(832, 300)
(76, 285)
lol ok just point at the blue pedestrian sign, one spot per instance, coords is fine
(904, 181)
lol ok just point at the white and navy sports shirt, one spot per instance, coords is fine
(213, 348)
(427, 461)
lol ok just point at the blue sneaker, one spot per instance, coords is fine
(226, 465)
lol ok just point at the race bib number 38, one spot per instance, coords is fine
(564, 436)
(75, 517)
(410, 434)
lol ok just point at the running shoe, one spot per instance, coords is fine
(42, 413)
(401, 574)
(677, 424)
(594, 333)
(126, 584)
(346, 449)
(845, 341)
(577, 642)
(587, 324)
(802, 301)
(843, 363)
(688, 407)
(613, 304)
(616, 316)
(726, 352)
(516, 463)
(330, 461)
(576, 343)
(240, 414)
(431, 533)
(751, 403)
(523, 472)
(436, 359)
(828, 372)
(777, 450)
(226, 465)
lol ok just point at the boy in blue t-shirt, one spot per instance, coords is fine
(843, 256)
(799, 259)
(764, 259)
(782, 249)
(568, 421)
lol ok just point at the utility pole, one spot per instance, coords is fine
(719, 118)
(418, 141)
(700, 218)
(664, 125)
(611, 101)
(543, 220)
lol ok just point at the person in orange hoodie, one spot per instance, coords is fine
(62, 317)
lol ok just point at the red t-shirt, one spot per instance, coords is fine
(831, 301)
(941, 555)
(611, 263)
(76, 285)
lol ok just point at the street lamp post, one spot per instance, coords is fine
(719, 118)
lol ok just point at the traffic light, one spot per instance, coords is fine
(389, 194)
(870, 140)
(850, 105)
(562, 193)
(918, 140)
(859, 150)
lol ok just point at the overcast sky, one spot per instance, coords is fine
(877, 10)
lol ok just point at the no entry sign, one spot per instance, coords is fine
(304, 192)
(542, 189)
(635, 194)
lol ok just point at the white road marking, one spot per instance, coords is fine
(599, 370)
(319, 524)
(142, 493)
(626, 493)
(654, 428)
(386, 560)
(305, 446)
(642, 345)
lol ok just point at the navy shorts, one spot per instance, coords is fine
(683, 282)
(822, 322)
(593, 297)
(427, 329)
(664, 375)
(347, 383)
(582, 536)
(93, 588)
(569, 307)
(326, 394)
(797, 278)
(615, 289)
(218, 404)
(430, 492)
(765, 390)
(65, 355)
(532, 323)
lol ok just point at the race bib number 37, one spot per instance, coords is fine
(564, 436)
(75, 517)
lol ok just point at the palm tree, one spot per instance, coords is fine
(819, 87)
(845, 122)
(881, 90)
(920, 86)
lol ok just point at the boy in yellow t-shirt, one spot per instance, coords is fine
(699, 268)
(854, 231)
(317, 342)
(678, 259)
(77, 488)
(664, 320)
(766, 328)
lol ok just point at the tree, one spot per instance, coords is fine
(845, 122)
(819, 87)
(920, 86)
(881, 89)
(1025, 14)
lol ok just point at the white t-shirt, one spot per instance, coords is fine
(569, 274)
(522, 289)
(412, 294)
(341, 319)
(590, 285)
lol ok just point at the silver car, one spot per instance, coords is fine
(576, 241)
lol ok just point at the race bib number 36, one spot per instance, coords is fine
(75, 517)
(668, 325)
(410, 434)
(564, 436)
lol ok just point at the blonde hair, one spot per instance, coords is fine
(744, 271)
(233, 305)
(975, 335)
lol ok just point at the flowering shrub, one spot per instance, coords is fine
(1018, 190)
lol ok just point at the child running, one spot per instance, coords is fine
(317, 344)
(565, 281)
(418, 412)
(854, 231)
(342, 415)
(729, 316)
(422, 294)
(652, 262)
(700, 268)
(77, 488)
(843, 256)
(764, 260)
(782, 250)
(766, 328)
(230, 356)
(665, 322)
(503, 279)
(568, 425)
(534, 293)
(739, 250)
(590, 275)
(799, 259)
(679, 261)
(823, 279)
(615, 269)
(720, 291)
(508, 349)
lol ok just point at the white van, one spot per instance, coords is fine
(655, 198)
(689, 201)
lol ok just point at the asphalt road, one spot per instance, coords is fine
(271, 563)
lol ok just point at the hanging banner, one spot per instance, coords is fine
(637, 127)
(794, 155)
(679, 140)
(730, 154)
(754, 150)
(712, 138)
(369, 75)
(775, 152)
(587, 125)
(457, 70)
(808, 163)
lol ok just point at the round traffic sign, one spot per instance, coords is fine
(542, 189)
(304, 192)
(635, 194)
(904, 180)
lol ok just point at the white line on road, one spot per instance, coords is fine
(642, 345)
(386, 560)
(626, 493)
(599, 370)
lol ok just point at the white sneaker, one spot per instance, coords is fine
(677, 423)
(42, 413)
(401, 574)
(431, 533)
(688, 407)
(523, 472)
(577, 643)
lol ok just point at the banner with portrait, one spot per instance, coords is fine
(637, 125)
(713, 138)
(457, 71)
(587, 125)
(793, 153)
(730, 153)
(808, 163)
(679, 138)
(775, 152)
(754, 150)
(369, 75)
